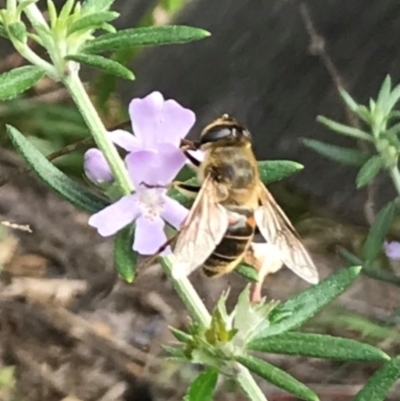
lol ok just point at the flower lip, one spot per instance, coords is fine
(96, 167)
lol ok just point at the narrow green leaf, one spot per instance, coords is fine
(18, 80)
(377, 233)
(105, 64)
(66, 10)
(297, 310)
(318, 346)
(18, 31)
(345, 129)
(378, 386)
(277, 377)
(350, 157)
(203, 387)
(384, 93)
(51, 9)
(146, 36)
(92, 21)
(350, 102)
(369, 171)
(54, 178)
(181, 335)
(276, 170)
(393, 99)
(248, 272)
(125, 258)
(175, 352)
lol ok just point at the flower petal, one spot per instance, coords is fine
(96, 166)
(155, 167)
(155, 120)
(176, 123)
(125, 140)
(392, 249)
(149, 235)
(116, 216)
(144, 115)
(174, 213)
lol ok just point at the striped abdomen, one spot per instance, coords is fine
(230, 251)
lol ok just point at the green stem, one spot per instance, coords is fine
(249, 385)
(188, 295)
(99, 133)
(395, 175)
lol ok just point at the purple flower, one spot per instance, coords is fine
(155, 123)
(149, 206)
(392, 249)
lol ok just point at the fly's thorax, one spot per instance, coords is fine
(232, 166)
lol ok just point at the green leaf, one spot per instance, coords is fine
(203, 387)
(105, 64)
(54, 178)
(277, 377)
(297, 310)
(52, 11)
(66, 10)
(377, 233)
(393, 99)
(180, 335)
(317, 346)
(275, 170)
(384, 93)
(3, 32)
(345, 129)
(350, 102)
(97, 5)
(92, 21)
(248, 272)
(378, 386)
(18, 80)
(369, 171)
(350, 157)
(146, 36)
(18, 31)
(125, 258)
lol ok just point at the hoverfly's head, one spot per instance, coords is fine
(225, 131)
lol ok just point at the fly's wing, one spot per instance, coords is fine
(277, 229)
(203, 229)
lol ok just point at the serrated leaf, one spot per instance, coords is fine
(378, 386)
(347, 156)
(378, 231)
(369, 171)
(92, 21)
(105, 64)
(17, 30)
(53, 177)
(345, 129)
(248, 272)
(146, 36)
(125, 258)
(276, 170)
(18, 80)
(318, 346)
(203, 387)
(277, 377)
(297, 310)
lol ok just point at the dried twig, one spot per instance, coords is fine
(15, 226)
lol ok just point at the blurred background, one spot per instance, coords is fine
(69, 328)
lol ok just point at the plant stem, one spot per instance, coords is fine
(249, 385)
(188, 295)
(99, 133)
(395, 175)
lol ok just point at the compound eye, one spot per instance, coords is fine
(215, 134)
